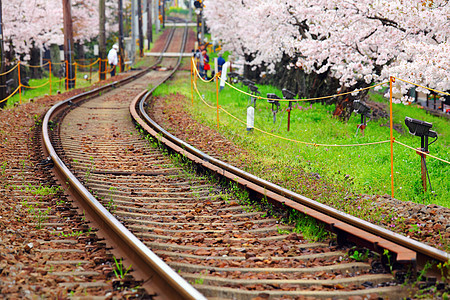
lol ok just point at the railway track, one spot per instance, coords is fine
(198, 228)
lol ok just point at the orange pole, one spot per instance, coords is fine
(192, 81)
(75, 77)
(99, 69)
(50, 76)
(391, 125)
(217, 96)
(67, 75)
(20, 84)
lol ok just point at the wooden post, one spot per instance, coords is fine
(423, 170)
(391, 125)
(289, 118)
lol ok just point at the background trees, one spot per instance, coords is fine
(346, 43)
(39, 23)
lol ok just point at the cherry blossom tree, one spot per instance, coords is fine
(357, 42)
(38, 23)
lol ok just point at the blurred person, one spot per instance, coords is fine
(220, 63)
(112, 59)
(206, 66)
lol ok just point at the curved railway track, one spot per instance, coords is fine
(196, 227)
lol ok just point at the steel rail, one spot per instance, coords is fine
(159, 276)
(345, 225)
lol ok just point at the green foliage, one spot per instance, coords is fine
(42, 190)
(349, 170)
(307, 226)
(71, 234)
(199, 281)
(4, 167)
(38, 214)
(178, 10)
(90, 169)
(389, 259)
(28, 94)
(119, 269)
(360, 256)
(111, 206)
(444, 268)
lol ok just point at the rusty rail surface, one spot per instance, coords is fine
(162, 279)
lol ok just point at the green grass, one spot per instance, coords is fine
(348, 170)
(28, 93)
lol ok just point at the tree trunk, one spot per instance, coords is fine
(312, 85)
(35, 56)
(56, 60)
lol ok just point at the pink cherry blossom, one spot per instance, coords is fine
(360, 41)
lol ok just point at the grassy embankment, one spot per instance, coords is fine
(349, 170)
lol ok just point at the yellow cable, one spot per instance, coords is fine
(395, 141)
(9, 71)
(437, 91)
(283, 138)
(13, 93)
(198, 75)
(85, 66)
(30, 66)
(308, 99)
(56, 81)
(60, 63)
(34, 87)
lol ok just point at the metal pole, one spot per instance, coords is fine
(190, 11)
(157, 22)
(391, 125)
(164, 13)
(203, 24)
